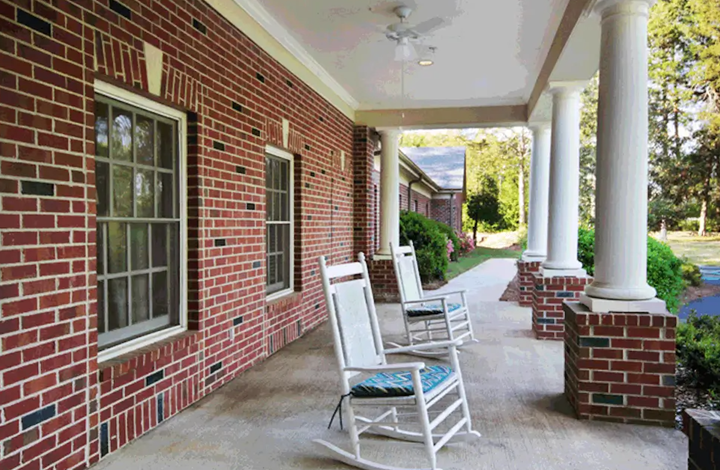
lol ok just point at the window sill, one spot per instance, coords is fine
(126, 351)
(282, 296)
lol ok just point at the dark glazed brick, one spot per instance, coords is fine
(250, 206)
(215, 367)
(668, 380)
(545, 321)
(104, 439)
(237, 320)
(220, 242)
(289, 83)
(237, 107)
(154, 377)
(539, 287)
(565, 295)
(307, 147)
(259, 76)
(218, 146)
(588, 342)
(33, 22)
(312, 174)
(37, 417)
(199, 26)
(120, 9)
(160, 409)
(608, 399)
(256, 132)
(36, 188)
(240, 170)
(256, 264)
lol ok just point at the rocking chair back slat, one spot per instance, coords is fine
(355, 328)
(410, 289)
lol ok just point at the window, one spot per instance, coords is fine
(415, 206)
(139, 168)
(279, 221)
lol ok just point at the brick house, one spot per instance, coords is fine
(436, 177)
(171, 170)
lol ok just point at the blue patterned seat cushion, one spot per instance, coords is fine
(430, 309)
(399, 384)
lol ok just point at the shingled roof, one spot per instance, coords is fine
(445, 165)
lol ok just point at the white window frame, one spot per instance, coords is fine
(285, 155)
(122, 95)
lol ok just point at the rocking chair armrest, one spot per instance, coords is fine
(425, 346)
(455, 292)
(397, 367)
(426, 299)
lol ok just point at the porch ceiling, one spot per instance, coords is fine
(493, 58)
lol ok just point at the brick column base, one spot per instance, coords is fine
(620, 367)
(549, 293)
(526, 270)
(383, 280)
(703, 431)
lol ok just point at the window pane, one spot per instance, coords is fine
(139, 254)
(144, 140)
(271, 269)
(101, 307)
(284, 209)
(160, 294)
(100, 246)
(165, 196)
(117, 303)
(283, 175)
(159, 245)
(272, 230)
(102, 187)
(117, 247)
(144, 196)
(284, 262)
(140, 298)
(166, 156)
(122, 191)
(268, 167)
(101, 129)
(121, 135)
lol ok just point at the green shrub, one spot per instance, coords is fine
(664, 273)
(430, 244)
(698, 349)
(691, 274)
(586, 249)
(451, 235)
(689, 225)
(664, 269)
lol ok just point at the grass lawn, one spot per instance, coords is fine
(475, 257)
(698, 250)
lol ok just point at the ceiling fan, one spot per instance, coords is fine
(405, 35)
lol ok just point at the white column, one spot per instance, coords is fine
(539, 194)
(389, 190)
(564, 182)
(622, 162)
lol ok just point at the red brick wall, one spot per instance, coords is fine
(620, 367)
(60, 408)
(549, 295)
(441, 210)
(423, 202)
(526, 278)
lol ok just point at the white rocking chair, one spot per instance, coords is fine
(367, 380)
(428, 319)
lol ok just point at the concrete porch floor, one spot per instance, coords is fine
(267, 417)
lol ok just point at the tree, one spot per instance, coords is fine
(483, 206)
(588, 143)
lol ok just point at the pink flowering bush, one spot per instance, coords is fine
(467, 243)
(450, 249)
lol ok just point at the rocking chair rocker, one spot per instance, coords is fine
(367, 380)
(428, 319)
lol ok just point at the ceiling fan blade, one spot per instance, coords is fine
(428, 26)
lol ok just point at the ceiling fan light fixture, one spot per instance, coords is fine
(425, 62)
(404, 51)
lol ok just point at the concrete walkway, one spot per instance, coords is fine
(267, 417)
